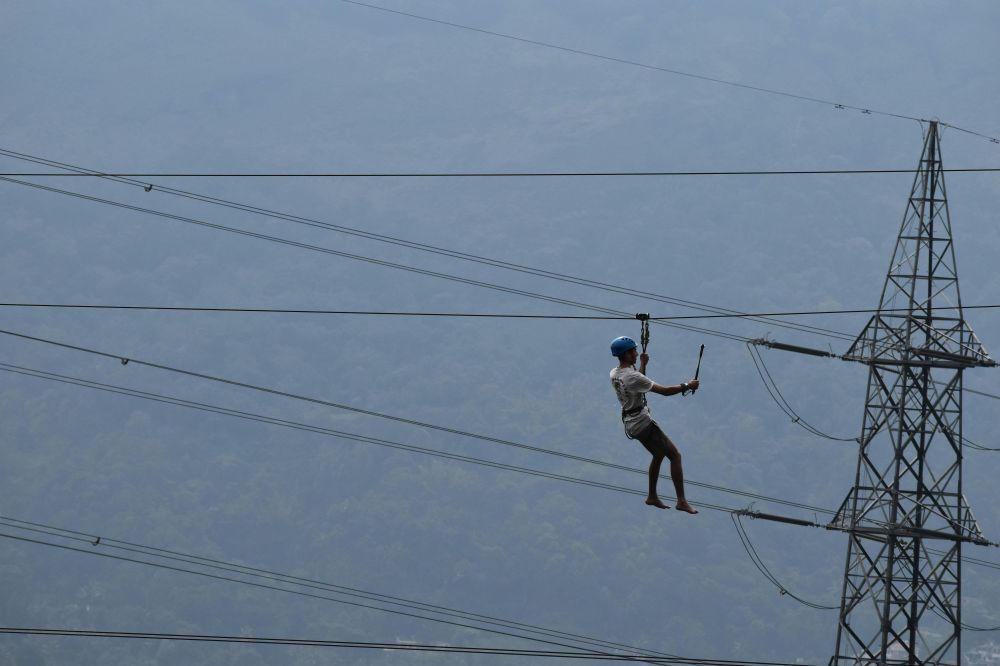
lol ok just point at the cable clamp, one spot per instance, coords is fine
(96, 542)
(644, 337)
(148, 187)
(124, 361)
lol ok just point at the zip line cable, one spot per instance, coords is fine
(482, 315)
(354, 593)
(666, 70)
(254, 416)
(508, 652)
(493, 174)
(485, 315)
(370, 260)
(423, 247)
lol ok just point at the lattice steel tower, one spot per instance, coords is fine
(906, 515)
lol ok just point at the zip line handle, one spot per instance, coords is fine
(697, 369)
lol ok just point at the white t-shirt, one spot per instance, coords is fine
(631, 387)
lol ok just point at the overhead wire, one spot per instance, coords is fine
(736, 518)
(666, 70)
(782, 403)
(254, 416)
(977, 447)
(125, 359)
(493, 174)
(392, 240)
(89, 197)
(352, 593)
(366, 439)
(488, 315)
(964, 625)
(405, 647)
(750, 550)
(982, 393)
(973, 560)
(388, 264)
(759, 564)
(436, 274)
(264, 586)
(779, 399)
(97, 541)
(971, 627)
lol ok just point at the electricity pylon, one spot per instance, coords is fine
(906, 516)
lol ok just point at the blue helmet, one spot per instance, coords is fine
(621, 345)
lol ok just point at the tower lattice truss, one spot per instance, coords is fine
(906, 515)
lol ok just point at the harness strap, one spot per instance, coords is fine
(632, 412)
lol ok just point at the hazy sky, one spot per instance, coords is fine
(333, 87)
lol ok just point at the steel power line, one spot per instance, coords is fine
(509, 652)
(666, 70)
(392, 240)
(304, 587)
(256, 416)
(485, 315)
(487, 174)
(370, 260)
(251, 416)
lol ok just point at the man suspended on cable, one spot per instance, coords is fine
(631, 387)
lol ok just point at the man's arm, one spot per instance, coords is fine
(666, 390)
(676, 388)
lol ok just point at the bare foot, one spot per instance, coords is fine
(655, 501)
(682, 505)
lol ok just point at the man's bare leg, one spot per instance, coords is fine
(677, 474)
(654, 474)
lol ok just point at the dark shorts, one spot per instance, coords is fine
(654, 440)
